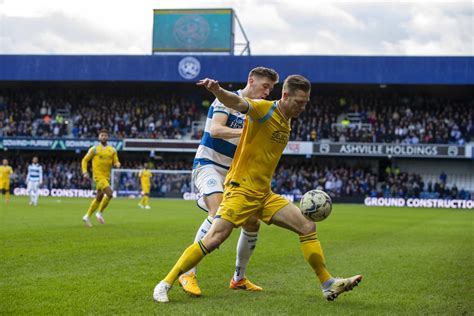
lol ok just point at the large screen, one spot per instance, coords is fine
(193, 30)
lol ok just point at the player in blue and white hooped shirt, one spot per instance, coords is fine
(34, 179)
(213, 159)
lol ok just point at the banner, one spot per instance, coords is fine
(298, 148)
(293, 148)
(390, 150)
(416, 203)
(57, 192)
(54, 144)
(160, 145)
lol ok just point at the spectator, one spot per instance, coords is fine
(154, 113)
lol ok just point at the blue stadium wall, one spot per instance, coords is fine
(319, 69)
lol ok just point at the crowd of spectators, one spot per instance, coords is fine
(297, 178)
(64, 173)
(81, 114)
(161, 183)
(410, 185)
(290, 178)
(342, 180)
(57, 173)
(339, 117)
(378, 118)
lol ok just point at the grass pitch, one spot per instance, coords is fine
(414, 261)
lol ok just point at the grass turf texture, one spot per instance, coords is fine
(414, 261)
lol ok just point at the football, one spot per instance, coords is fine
(316, 205)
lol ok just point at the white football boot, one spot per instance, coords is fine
(160, 293)
(339, 286)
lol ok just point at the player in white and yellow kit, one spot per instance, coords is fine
(103, 158)
(145, 176)
(248, 185)
(5, 172)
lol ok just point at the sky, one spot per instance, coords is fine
(273, 27)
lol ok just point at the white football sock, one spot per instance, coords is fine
(35, 197)
(202, 231)
(245, 248)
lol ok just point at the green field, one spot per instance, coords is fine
(414, 261)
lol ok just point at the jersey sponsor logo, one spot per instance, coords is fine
(238, 122)
(189, 67)
(280, 137)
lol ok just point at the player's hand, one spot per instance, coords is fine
(210, 84)
(86, 175)
(117, 165)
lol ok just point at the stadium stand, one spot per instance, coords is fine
(382, 118)
(342, 117)
(395, 100)
(81, 113)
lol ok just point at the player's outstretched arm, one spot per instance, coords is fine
(219, 128)
(227, 98)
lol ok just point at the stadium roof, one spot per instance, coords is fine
(180, 68)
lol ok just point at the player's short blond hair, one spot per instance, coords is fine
(293, 83)
(265, 72)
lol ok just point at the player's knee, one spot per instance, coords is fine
(213, 210)
(109, 194)
(308, 227)
(252, 225)
(213, 202)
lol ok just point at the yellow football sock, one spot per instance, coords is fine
(145, 200)
(190, 258)
(142, 200)
(94, 205)
(313, 254)
(7, 196)
(104, 203)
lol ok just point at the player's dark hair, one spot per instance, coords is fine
(296, 82)
(266, 73)
(104, 131)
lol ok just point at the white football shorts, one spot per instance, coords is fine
(32, 186)
(209, 179)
